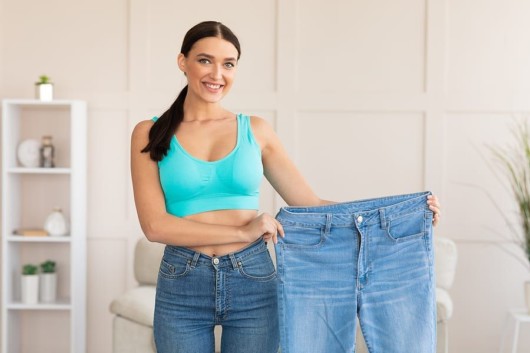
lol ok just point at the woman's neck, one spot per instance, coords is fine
(200, 110)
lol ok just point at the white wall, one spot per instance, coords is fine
(370, 98)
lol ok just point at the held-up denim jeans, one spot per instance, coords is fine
(372, 259)
(195, 292)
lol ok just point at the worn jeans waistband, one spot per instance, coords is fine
(368, 211)
(196, 258)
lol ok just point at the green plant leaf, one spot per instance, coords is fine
(515, 162)
(29, 269)
(48, 266)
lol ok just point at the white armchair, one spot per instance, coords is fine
(134, 310)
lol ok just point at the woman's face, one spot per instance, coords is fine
(210, 68)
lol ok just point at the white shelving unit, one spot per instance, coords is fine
(28, 196)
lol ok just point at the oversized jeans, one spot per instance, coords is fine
(372, 259)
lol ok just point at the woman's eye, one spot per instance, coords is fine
(230, 65)
(204, 61)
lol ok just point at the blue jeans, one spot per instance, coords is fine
(195, 292)
(370, 258)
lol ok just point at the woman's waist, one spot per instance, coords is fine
(235, 218)
(228, 257)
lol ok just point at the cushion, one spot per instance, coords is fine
(445, 254)
(147, 256)
(444, 305)
(137, 304)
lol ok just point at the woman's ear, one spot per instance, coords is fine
(181, 61)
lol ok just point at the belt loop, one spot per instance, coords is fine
(233, 260)
(382, 218)
(195, 259)
(329, 219)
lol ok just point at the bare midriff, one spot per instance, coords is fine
(235, 218)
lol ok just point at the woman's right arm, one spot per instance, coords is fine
(162, 227)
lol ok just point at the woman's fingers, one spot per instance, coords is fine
(279, 227)
(271, 228)
(436, 219)
(434, 206)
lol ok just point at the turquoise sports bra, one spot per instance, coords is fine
(193, 185)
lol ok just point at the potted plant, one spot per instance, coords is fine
(44, 88)
(48, 282)
(30, 284)
(515, 162)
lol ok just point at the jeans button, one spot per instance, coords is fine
(215, 261)
(360, 219)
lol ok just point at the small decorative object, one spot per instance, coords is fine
(56, 224)
(44, 89)
(515, 162)
(28, 153)
(47, 152)
(48, 282)
(30, 232)
(30, 284)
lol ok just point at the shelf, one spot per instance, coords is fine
(39, 103)
(27, 196)
(61, 304)
(39, 239)
(22, 170)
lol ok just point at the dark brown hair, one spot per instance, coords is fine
(164, 128)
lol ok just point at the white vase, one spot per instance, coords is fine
(30, 289)
(44, 91)
(48, 287)
(527, 295)
(56, 224)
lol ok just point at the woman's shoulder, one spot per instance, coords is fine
(262, 130)
(259, 124)
(141, 130)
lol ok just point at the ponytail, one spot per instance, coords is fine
(165, 127)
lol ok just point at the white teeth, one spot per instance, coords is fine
(213, 86)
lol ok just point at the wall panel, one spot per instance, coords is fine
(366, 46)
(350, 155)
(82, 46)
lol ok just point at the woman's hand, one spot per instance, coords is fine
(264, 226)
(434, 206)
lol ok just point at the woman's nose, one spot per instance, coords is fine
(216, 72)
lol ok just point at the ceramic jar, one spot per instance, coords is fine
(30, 289)
(56, 223)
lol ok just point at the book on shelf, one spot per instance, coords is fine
(31, 232)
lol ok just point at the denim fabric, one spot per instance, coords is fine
(195, 292)
(370, 258)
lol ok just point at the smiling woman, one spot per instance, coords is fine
(196, 174)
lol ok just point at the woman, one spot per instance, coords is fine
(196, 173)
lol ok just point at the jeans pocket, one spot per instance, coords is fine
(258, 267)
(174, 267)
(407, 227)
(301, 237)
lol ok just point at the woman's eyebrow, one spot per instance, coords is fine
(212, 57)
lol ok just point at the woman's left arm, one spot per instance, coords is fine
(279, 169)
(286, 179)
